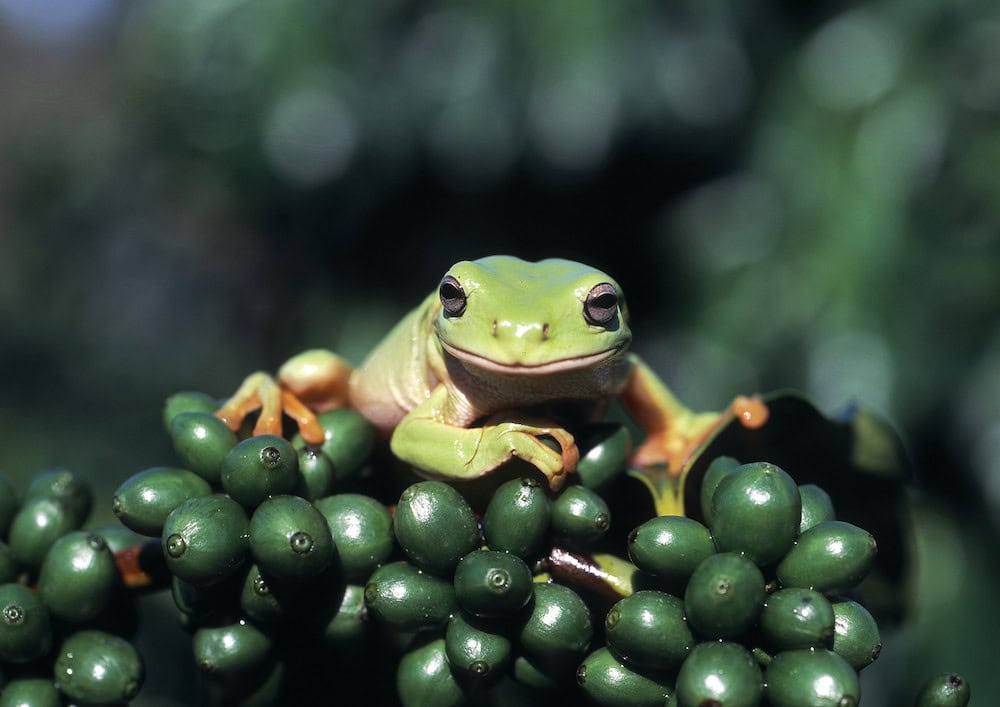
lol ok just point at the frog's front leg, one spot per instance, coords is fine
(674, 432)
(426, 440)
(310, 382)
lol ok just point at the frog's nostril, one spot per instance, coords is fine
(545, 331)
(494, 327)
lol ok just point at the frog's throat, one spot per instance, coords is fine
(569, 363)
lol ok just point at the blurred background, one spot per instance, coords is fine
(793, 194)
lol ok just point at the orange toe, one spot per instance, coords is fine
(751, 412)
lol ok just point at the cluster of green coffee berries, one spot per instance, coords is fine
(262, 557)
(65, 617)
(752, 605)
(469, 587)
(271, 556)
(292, 566)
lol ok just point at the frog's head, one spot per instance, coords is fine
(507, 315)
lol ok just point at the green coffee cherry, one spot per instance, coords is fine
(724, 596)
(756, 511)
(258, 602)
(517, 518)
(475, 649)
(72, 489)
(670, 547)
(424, 678)
(98, 668)
(816, 506)
(290, 539)
(187, 401)
(811, 677)
(945, 690)
(720, 468)
(30, 692)
(648, 630)
(491, 583)
(435, 526)
(350, 622)
(233, 648)
(348, 442)
(145, 500)
(117, 536)
(408, 599)
(831, 557)
(205, 539)
(362, 531)
(25, 625)
(317, 477)
(201, 441)
(856, 637)
(260, 467)
(9, 503)
(40, 522)
(609, 683)
(77, 577)
(604, 451)
(719, 673)
(580, 517)
(797, 618)
(558, 628)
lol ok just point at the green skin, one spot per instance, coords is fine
(525, 337)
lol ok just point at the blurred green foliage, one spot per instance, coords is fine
(793, 195)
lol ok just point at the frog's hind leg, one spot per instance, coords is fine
(673, 431)
(318, 378)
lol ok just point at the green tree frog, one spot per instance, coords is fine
(459, 383)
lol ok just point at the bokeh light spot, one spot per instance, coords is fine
(730, 222)
(705, 77)
(851, 62)
(572, 119)
(850, 365)
(310, 136)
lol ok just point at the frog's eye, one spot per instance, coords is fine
(601, 304)
(452, 296)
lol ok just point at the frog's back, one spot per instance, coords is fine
(397, 376)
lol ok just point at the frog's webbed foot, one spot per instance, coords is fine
(314, 380)
(751, 411)
(675, 445)
(441, 450)
(675, 434)
(260, 391)
(523, 440)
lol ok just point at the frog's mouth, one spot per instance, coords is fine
(533, 369)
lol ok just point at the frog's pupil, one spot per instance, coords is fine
(452, 297)
(601, 304)
(605, 302)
